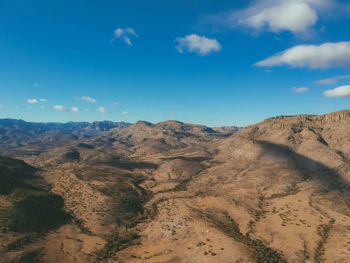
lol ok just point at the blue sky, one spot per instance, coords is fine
(209, 62)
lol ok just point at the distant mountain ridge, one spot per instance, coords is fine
(19, 138)
(36, 137)
(68, 126)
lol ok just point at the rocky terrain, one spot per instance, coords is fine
(277, 191)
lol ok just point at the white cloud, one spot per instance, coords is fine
(340, 92)
(330, 81)
(291, 16)
(125, 112)
(42, 107)
(197, 44)
(296, 16)
(88, 99)
(35, 84)
(300, 90)
(35, 101)
(124, 35)
(127, 40)
(32, 101)
(118, 32)
(327, 55)
(75, 109)
(60, 108)
(103, 110)
(115, 104)
(131, 31)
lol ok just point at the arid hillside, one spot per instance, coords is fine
(277, 191)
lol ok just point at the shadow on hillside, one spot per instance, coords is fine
(33, 208)
(308, 168)
(130, 165)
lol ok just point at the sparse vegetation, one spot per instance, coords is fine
(34, 256)
(259, 250)
(292, 189)
(129, 197)
(80, 224)
(323, 231)
(182, 186)
(251, 227)
(115, 243)
(23, 241)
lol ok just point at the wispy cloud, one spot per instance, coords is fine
(75, 109)
(300, 89)
(32, 101)
(88, 99)
(331, 81)
(43, 100)
(103, 110)
(125, 112)
(35, 84)
(124, 34)
(60, 108)
(328, 55)
(340, 92)
(197, 44)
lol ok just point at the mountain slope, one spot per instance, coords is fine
(27, 209)
(277, 191)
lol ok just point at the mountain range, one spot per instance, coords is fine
(276, 191)
(33, 138)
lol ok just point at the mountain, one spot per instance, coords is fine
(29, 138)
(229, 130)
(276, 191)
